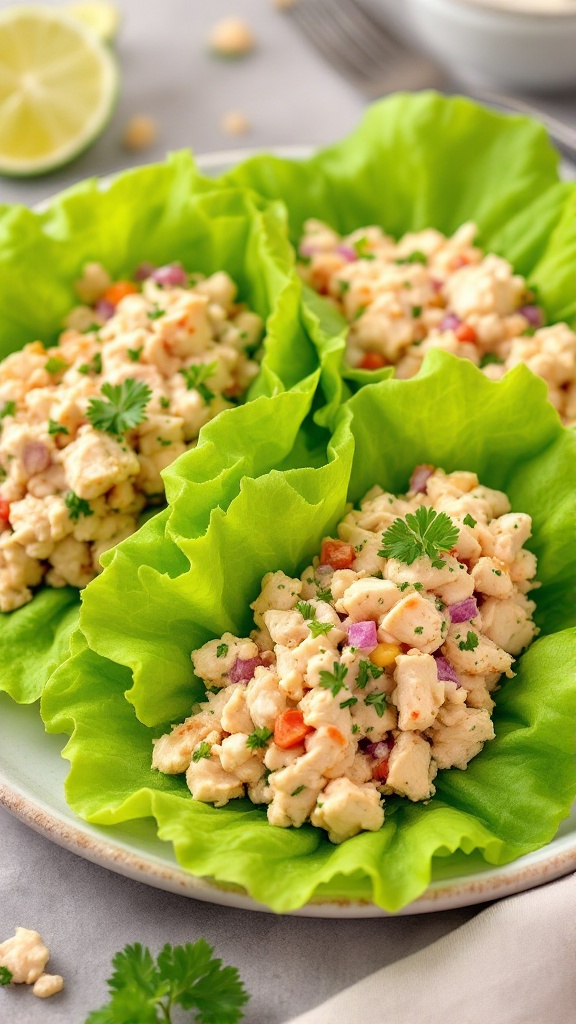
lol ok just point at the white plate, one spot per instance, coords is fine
(32, 778)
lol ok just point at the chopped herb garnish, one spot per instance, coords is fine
(488, 358)
(419, 629)
(154, 314)
(164, 402)
(91, 327)
(469, 521)
(55, 365)
(497, 572)
(77, 506)
(324, 595)
(56, 428)
(222, 650)
(298, 791)
(334, 681)
(5, 975)
(359, 312)
(362, 250)
(94, 366)
(8, 409)
(134, 353)
(202, 751)
(367, 670)
(319, 628)
(377, 701)
(418, 586)
(424, 532)
(164, 442)
(196, 377)
(403, 586)
(123, 409)
(306, 610)
(415, 257)
(470, 643)
(355, 729)
(416, 311)
(344, 287)
(349, 703)
(259, 738)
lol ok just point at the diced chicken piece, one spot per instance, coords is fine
(213, 661)
(236, 713)
(471, 652)
(510, 533)
(93, 283)
(293, 808)
(369, 599)
(278, 591)
(523, 567)
(275, 757)
(209, 783)
(422, 571)
(173, 751)
(491, 577)
(264, 699)
(260, 792)
(287, 627)
(508, 623)
(415, 621)
(347, 808)
(25, 956)
(95, 462)
(490, 287)
(460, 587)
(454, 745)
(41, 522)
(477, 692)
(48, 985)
(410, 768)
(238, 759)
(71, 562)
(419, 693)
(320, 707)
(374, 720)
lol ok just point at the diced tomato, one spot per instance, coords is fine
(380, 771)
(290, 729)
(466, 333)
(118, 291)
(4, 510)
(337, 554)
(372, 361)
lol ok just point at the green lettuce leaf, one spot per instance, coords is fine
(156, 213)
(160, 596)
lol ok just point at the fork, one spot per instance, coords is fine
(376, 61)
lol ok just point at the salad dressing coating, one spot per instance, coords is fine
(88, 425)
(374, 669)
(431, 291)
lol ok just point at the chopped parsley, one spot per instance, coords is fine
(56, 428)
(416, 311)
(497, 572)
(415, 257)
(349, 703)
(419, 629)
(362, 250)
(121, 408)
(488, 358)
(8, 409)
(94, 366)
(344, 287)
(424, 532)
(469, 521)
(5, 975)
(55, 365)
(196, 377)
(164, 402)
(403, 586)
(306, 610)
(470, 643)
(77, 506)
(367, 670)
(90, 328)
(134, 353)
(334, 680)
(222, 650)
(259, 738)
(154, 314)
(164, 442)
(324, 595)
(377, 701)
(202, 751)
(298, 791)
(319, 628)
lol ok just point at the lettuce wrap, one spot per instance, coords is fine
(165, 592)
(156, 213)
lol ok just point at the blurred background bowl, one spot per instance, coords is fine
(518, 49)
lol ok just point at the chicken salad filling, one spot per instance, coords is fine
(371, 671)
(88, 424)
(429, 291)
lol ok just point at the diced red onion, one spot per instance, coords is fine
(419, 477)
(450, 322)
(380, 750)
(143, 271)
(104, 309)
(35, 457)
(309, 249)
(463, 611)
(347, 253)
(323, 570)
(173, 274)
(436, 285)
(363, 635)
(533, 314)
(445, 670)
(243, 670)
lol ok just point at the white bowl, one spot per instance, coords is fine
(515, 48)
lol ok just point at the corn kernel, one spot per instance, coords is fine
(385, 654)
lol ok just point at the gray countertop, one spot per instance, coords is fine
(86, 913)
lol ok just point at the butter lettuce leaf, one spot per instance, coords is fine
(161, 594)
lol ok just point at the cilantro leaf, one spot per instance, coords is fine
(8, 409)
(94, 366)
(424, 532)
(196, 377)
(415, 257)
(334, 680)
(469, 521)
(124, 408)
(324, 594)
(134, 354)
(222, 650)
(154, 314)
(306, 610)
(77, 506)
(55, 365)
(349, 703)
(56, 428)
(377, 701)
(144, 991)
(5, 975)
(367, 670)
(470, 643)
(319, 628)
(259, 738)
(203, 750)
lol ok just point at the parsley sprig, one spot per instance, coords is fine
(367, 670)
(196, 377)
(121, 408)
(424, 532)
(377, 701)
(259, 738)
(202, 750)
(470, 643)
(77, 506)
(334, 680)
(147, 991)
(5, 975)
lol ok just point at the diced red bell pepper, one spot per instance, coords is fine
(337, 554)
(466, 333)
(290, 729)
(373, 361)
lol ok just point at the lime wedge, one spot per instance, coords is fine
(58, 86)
(101, 16)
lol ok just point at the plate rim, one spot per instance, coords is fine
(91, 842)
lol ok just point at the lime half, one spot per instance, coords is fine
(99, 15)
(58, 85)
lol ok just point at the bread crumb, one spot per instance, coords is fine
(48, 985)
(140, 132)
(231, 37)
(235, 123)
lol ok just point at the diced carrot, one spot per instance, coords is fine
(372, 361)
(118, 291)
(380, 771)
(335, 735)
(337, 554)
(4, 510)
(290, 729)
(466, 333)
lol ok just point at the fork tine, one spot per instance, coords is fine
(329, 41)
(377, 47)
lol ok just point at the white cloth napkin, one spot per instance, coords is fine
(515, 963)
